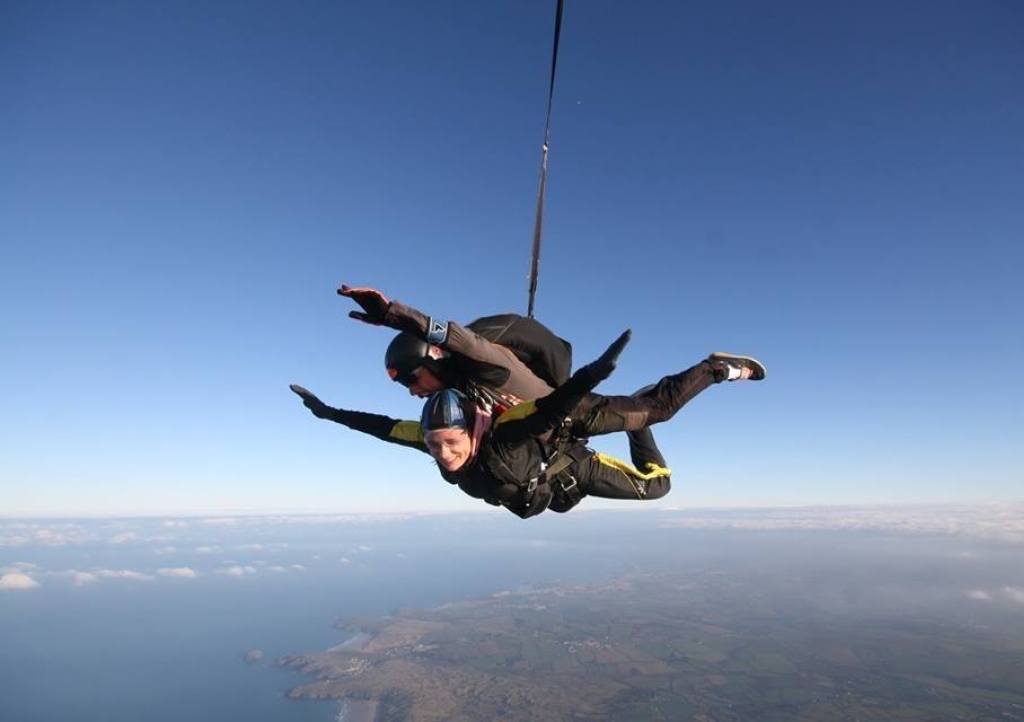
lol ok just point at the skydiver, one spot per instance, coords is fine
(431, 355)
(522, 459)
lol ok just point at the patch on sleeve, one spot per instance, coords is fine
(437, 332)
(410, 431)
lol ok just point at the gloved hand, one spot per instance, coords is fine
(602, 368)
(311, 402)
(375, 304)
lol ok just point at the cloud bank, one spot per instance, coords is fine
(1003, 522)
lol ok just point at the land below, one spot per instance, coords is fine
(703, 645)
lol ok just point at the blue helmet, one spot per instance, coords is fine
(447, 409)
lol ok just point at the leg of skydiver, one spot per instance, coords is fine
(599, 414)
(646, 457)
(610, 478)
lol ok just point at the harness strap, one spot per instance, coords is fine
(560, 464)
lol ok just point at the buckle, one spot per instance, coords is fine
(569, 486)
(531, 486)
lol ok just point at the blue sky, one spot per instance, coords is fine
(835, 190)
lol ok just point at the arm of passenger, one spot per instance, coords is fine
(404, 433)
(394, 431)
(536, 418)
(532, 419)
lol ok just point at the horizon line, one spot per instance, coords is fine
(405, 513)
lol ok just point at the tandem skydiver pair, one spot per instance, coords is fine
(496, 426)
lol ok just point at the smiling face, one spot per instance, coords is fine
(451, 448)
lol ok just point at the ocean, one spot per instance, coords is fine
(152, 619)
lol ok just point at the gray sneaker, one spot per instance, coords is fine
(730, 366)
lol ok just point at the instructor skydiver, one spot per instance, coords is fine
(430, 355)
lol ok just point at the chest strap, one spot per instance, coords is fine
(559, 462)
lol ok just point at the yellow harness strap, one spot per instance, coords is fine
(519, 411)
(630, 470)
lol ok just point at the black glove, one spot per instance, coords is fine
(311, 402)
(602, 368)
(375, 304)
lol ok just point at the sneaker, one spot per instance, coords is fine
(737, 368)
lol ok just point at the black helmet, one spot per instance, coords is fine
(405, 354)
(447, 409)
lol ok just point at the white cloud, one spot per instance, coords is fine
(15, 581)
(180, 572)
(249, 548)
(224, 521)
(306, 519)
(980, 594)
(345, 560)
(80, 579)
(208, 550)
(124, 574)
(1015, 594)
(124, 537)
(364, 548)
(52, 536)
(165, 550)
(237, 570)
(18, 567)
(175, 524)
(277, 568)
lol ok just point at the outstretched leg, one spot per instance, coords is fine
(599, 414)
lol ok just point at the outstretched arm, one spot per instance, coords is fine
(493, 361)
(546, 413)
(404, 433)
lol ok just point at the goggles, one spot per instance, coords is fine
(407, 378)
